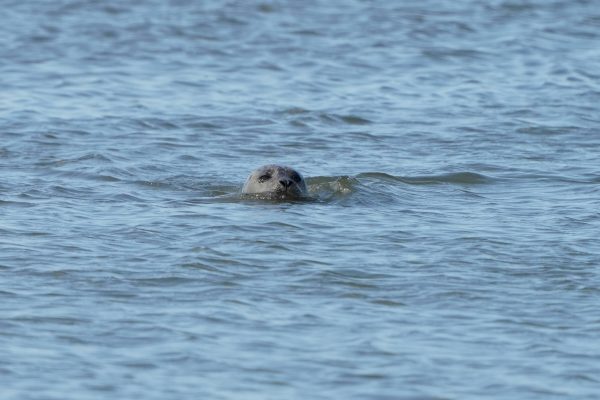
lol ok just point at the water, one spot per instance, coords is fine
(450, 250)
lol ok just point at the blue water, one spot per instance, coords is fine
(450, 249)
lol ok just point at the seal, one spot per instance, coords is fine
(276, 181)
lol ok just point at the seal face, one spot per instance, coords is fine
(276, 181)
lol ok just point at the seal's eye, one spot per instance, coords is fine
(264, 178)
(295, 177)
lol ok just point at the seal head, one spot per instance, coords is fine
(276, 181)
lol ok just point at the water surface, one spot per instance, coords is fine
(450, 250)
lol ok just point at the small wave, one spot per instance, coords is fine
(354, 120)
(153, 123)
(91, 176)
(462, 178)
(9, 203)
(163, 281)
(303, 115)
(348, 119)
(295, 111)
(93, 157)
(548, 130)
(442, 53)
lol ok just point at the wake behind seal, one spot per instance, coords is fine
(275, 182)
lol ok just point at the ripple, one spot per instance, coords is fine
(348, 119)
(11, 203)
(548, 130)
(441, 53)
(354, 120)
(462, 178)
(166, 281)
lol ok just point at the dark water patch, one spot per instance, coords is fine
(548, 130)
(354, 120)
(169, 143)
(195, 123)
(304, 116)
(388, 303)
(446, 53)
(45, 319)
(295, 111)
(106, 178)
(12, 203)
(347, 119)
(18, 231)
(307, 32)
(341, 281)
(153, 124)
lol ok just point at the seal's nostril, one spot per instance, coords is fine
(286, 183)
